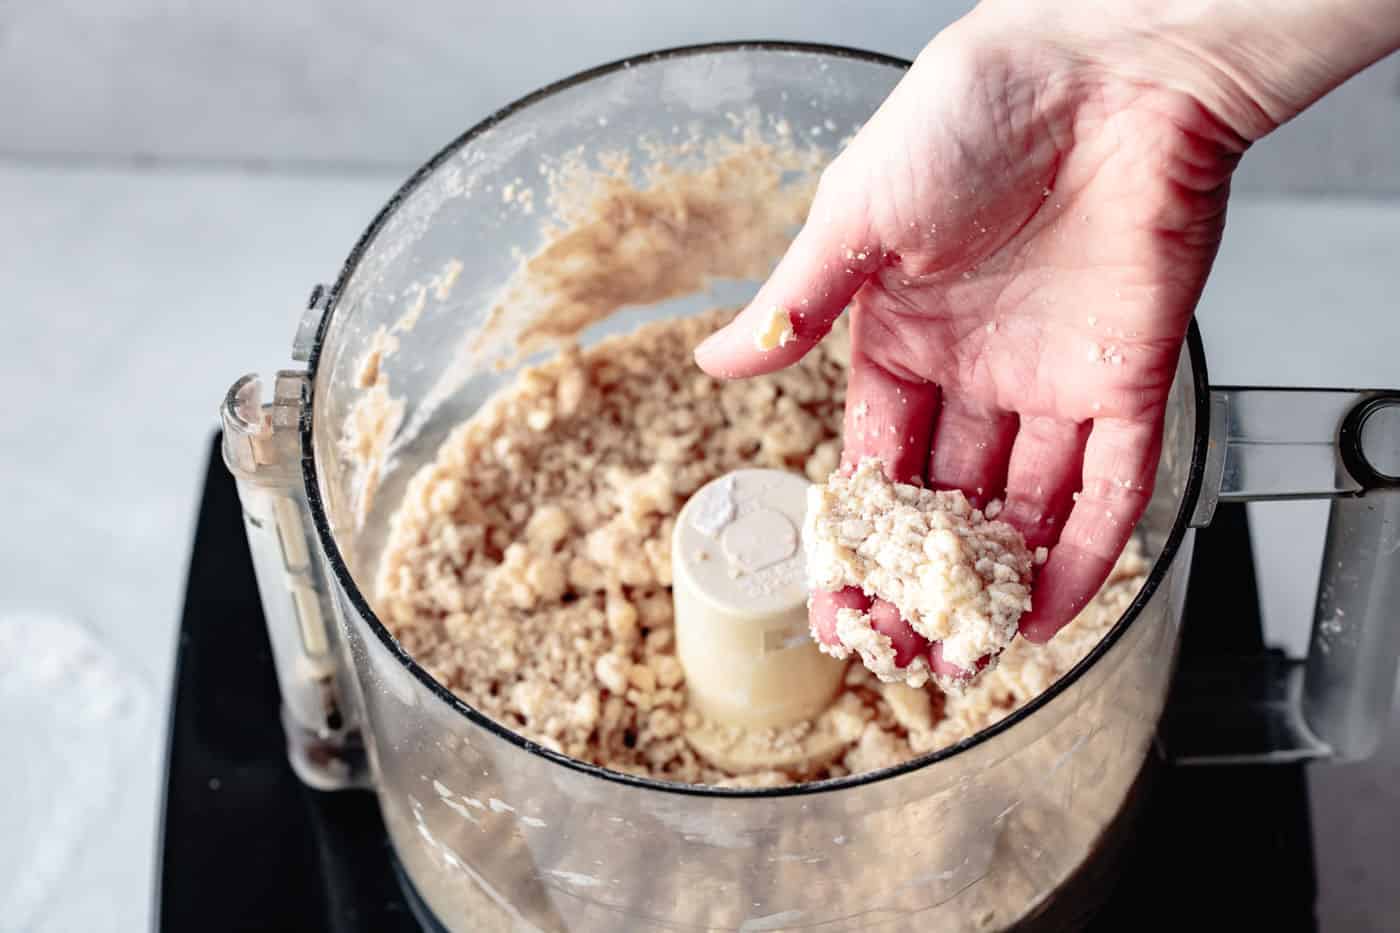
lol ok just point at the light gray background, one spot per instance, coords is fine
(173, 178)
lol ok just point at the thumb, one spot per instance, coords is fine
(821, 271)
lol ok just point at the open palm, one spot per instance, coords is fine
(1021, 241)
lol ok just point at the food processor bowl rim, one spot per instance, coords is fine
(360, 604)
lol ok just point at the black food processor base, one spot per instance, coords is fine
(245, 846)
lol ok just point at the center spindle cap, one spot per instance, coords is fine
(738, 581)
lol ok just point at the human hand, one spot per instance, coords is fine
(1022, 237)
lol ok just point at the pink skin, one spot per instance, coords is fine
(977, 298)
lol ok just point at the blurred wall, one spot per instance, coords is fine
(369, 83)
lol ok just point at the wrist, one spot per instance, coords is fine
(1278, 57)
(1254, 64)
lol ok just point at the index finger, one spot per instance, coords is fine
(824, 266)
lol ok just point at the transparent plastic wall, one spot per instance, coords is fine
(489, 831)
(494, 832)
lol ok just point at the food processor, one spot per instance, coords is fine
(495, 831)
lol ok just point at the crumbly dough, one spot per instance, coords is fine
(957, 577)
(528, 566)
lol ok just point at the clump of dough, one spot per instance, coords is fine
(957, 577)
(776, 330)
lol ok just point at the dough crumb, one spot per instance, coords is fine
(776, 330)
(955, 576)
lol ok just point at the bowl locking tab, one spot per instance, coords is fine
(262, 448)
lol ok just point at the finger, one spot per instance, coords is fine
(971, 450)
(1042, 477)
(884, 618)
(1120, 464)
(823, 268)
(947, 669)
(908, 644)
(821, 612)
(889, 418)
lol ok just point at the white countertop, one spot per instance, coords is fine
(136, 298)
